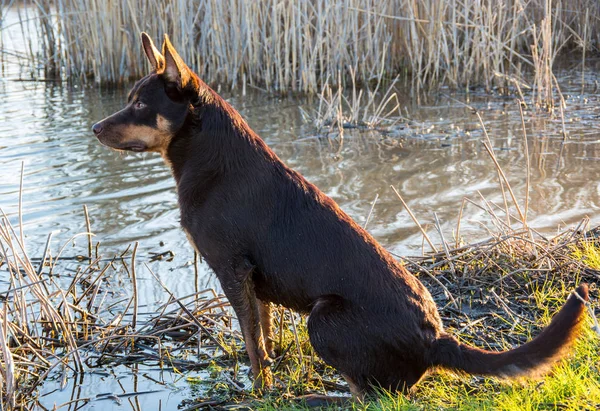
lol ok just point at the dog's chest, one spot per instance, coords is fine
(190, 239)
(272, 289)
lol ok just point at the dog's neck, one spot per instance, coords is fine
(202, 151)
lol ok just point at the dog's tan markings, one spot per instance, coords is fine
(162, 123)
(265, 314)
(191, 240)
(156, 140)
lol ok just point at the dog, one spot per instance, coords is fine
(272, 237)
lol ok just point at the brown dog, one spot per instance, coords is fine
(273, 237)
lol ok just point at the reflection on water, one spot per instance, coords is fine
(434, 159)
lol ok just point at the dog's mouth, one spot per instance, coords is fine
(135, 146)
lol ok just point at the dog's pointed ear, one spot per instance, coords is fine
(176, 71)
(157, 61)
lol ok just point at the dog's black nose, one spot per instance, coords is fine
(97, 128)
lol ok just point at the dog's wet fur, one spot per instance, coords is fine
(272, 237)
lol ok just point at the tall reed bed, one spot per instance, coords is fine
(298, 44)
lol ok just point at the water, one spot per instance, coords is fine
(435, 159)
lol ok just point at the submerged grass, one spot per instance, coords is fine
(296, 45)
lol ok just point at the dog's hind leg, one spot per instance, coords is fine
(266, 324)
(333, 335)
(239, 289)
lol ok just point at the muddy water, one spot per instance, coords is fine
(434, 157)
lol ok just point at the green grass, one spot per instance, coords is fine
(589, 254)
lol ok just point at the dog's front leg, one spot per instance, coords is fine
(266, 324)
(239, 289)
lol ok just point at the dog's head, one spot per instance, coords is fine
(157, 105)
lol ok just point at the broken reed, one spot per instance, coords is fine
(298, 44)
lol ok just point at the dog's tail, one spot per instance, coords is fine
(529, 360)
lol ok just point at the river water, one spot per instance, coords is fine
(434, 157)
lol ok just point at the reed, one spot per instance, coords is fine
(296, 45)
(354, 107)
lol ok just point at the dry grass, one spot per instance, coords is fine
(62, 316)
(297, 45)
(354, 108)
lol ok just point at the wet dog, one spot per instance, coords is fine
(272, 237)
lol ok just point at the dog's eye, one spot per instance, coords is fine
(139, 105)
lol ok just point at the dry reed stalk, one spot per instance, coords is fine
(528, 164)
(502, 176)
(298, 345)
(48, 326)
(295, 45)
(371, 211)
(412, 216)
(7, 371)
(135, 290)
(337, 110)
(88, 227)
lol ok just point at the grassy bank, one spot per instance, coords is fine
(506, 291)
(298, 45)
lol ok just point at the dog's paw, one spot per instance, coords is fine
(270, 350)
(263, 382)
(266, 361)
